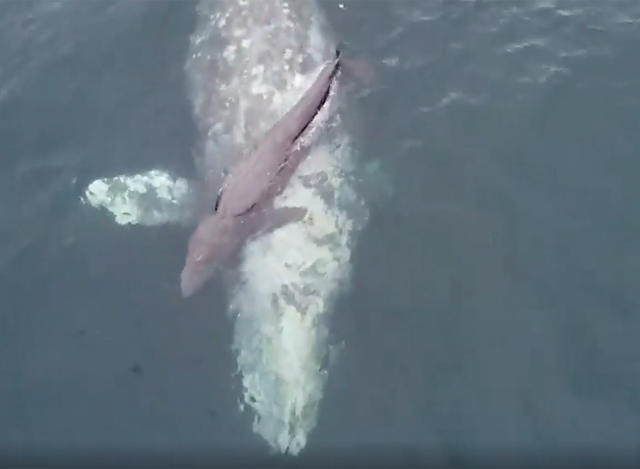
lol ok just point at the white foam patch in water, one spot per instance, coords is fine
(150, 198)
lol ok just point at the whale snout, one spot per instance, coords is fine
(192, 278)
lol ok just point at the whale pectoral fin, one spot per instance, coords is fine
(283, 216)
(150, 198)
(271, 219)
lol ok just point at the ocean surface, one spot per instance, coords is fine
(464, 292)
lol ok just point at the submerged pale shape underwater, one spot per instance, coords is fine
(248, 64)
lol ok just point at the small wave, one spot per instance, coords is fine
(543, 73)
(527, 43)
(453, 97)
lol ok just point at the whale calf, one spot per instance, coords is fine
(244, 205)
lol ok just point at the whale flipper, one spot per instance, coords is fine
(150, 198)
(278, 217)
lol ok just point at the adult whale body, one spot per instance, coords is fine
(248, 63)
(244, 205)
